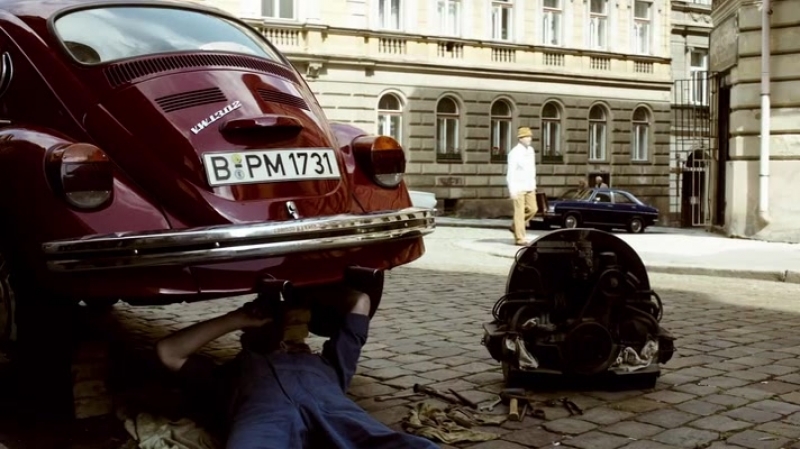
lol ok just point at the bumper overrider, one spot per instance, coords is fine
(225, 243)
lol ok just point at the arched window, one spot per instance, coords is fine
(501, 130)
(640, 131)
(447, 115)
(598, 125)
(551, 133)
(390, 117)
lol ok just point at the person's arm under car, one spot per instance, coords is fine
(343, 349)
(174, 350)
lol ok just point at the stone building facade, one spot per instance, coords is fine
(736, 56)
(453, 79)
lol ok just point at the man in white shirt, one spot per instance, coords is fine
(521, 180)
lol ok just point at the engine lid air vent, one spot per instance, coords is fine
(272, 96)
(183, 100)
(125, 72)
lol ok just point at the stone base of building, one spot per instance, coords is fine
(477, 208)
(742, 218)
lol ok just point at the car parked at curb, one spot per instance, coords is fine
(421, 199)
(600, 208)
(160, 151)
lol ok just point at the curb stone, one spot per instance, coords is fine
(787, 276)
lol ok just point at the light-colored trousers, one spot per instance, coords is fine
(524, 209)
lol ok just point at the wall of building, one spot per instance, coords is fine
(349, 61)
(742, 177)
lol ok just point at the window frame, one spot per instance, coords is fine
(637, 23)
(604, 19)
(548, 13)
(498, 7)
(641, 129)
(446, 28)
(388, 114)
(448, 119)
(276, 5)
(382, 18)
(547, 123)
(495, 122)
(595, 124)
(699, 77)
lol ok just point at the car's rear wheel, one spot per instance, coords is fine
(636, 225)
(36, 335)
(571, 221)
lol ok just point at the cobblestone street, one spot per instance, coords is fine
(734, 382)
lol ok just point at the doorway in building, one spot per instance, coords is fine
(723, 114)
(694, 189)
(694, 130)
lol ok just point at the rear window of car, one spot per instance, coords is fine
(105, 34)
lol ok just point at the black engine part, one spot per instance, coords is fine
(578, 302)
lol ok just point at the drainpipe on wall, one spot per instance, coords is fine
(763, 174)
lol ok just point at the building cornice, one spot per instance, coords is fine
(382, 34)
(486, 73)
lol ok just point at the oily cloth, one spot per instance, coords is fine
(155, 432)
(451, 426)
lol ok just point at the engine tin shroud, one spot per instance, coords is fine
(578, 308)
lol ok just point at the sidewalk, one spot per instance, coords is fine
(663, 250)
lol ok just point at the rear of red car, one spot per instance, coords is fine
(191, 116)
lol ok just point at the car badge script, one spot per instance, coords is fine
(216, 116)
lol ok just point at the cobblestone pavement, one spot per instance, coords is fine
(735, 381)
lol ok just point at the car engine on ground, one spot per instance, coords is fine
(578, 303)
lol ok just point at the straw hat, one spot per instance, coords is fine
(524, 131)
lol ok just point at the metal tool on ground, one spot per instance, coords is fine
(490, 406)
(514, 395)
(435, 393)
(464, 400)
(570, 406)
(401, 395)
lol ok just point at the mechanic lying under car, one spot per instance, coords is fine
(276, 393)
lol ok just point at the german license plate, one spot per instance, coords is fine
(251, 167)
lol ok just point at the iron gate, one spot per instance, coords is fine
(694, 136)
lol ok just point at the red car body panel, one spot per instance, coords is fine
(159, 174)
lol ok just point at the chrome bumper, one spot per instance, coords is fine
(235, 242)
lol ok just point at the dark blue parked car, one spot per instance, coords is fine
(598, 208)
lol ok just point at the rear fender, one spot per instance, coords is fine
(367, 196)
(34, 213)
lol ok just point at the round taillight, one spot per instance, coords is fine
(84, 175)
(382, 157)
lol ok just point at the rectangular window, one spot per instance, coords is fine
(598, 24)
(551, 139)
(698, 73)
(501, 139)
(389, 125)
(597, 141)
(447, 137)
(551, 26)
(278, 9)
(640, 137)
(642, 26)
(502, 14)
(449, 17)
(389, 15)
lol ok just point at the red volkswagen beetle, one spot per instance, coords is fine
(157, 152)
